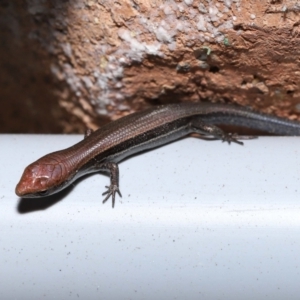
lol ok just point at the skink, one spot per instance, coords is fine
(103, 149)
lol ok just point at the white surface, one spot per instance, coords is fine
(198, 220)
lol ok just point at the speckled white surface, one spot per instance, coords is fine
(198, 220)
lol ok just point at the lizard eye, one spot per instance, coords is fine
(43, 193)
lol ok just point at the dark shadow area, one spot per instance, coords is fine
(27, 205)
(27, 98)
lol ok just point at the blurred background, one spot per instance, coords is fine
(69, 65)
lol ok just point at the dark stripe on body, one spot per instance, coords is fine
(148, 140)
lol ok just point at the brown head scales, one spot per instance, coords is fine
(43, 177)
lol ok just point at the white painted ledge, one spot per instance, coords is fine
(198, 220)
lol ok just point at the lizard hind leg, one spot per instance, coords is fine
(198, 126)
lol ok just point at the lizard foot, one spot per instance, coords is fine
(111, 191)
(231, 137)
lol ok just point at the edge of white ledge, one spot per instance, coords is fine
(194, 215)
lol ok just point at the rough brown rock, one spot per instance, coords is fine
(66, 65)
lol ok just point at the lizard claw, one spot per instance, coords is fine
(231, 137)
(111, 191)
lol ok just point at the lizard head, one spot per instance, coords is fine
(43, 177)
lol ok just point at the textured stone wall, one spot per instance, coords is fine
(66, 65)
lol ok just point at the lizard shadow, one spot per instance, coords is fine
(27, 205)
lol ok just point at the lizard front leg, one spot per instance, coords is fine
(113, 170)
